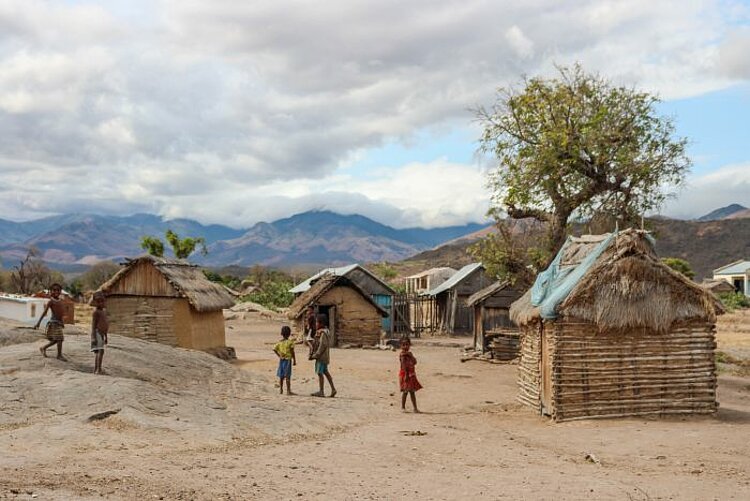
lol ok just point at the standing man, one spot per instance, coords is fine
(55, 325)
(322, 356)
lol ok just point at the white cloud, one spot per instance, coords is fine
(702, 194)
(182, 105)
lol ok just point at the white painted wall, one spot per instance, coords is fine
(26, 310)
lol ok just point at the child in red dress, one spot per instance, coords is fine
(407, 376)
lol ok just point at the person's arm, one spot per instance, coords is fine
(294, 357)
(321, 347)
(44, 313)
(276, 350)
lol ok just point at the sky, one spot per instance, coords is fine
(238, 112)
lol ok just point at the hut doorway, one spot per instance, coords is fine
(330, 312)
(546, 371)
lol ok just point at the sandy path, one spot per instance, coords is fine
(475, 442)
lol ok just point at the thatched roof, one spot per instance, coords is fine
(485, 293)
(627, 286)
(322, 285)
(717, 286)
(187, 279)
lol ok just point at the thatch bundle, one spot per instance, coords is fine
(187, 279)
(627, 287)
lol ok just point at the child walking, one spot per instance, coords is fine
(99, 330)
(55, 325)
(407, 376)
(284, 349)
(322, 355)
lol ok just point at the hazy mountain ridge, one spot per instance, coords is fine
(319, 237)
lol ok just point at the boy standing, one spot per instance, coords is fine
(55, 325)
(284, 349)
(99, 330)
(322, 356)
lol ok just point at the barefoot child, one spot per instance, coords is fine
(322, 356)
(285, 351)
(407, 376)
(55, 325)
(99, 330)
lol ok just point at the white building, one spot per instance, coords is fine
(427, 280)
(737, 274)
(26, 310)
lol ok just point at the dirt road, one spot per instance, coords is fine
(471, 441)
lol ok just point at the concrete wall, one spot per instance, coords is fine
(26, 310)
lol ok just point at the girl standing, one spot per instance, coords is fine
(407, 376)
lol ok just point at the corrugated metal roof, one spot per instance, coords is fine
(431, 271)
(736, 268)
(336, 272)
(455, 279)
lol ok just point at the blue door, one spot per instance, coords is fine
(385, 302)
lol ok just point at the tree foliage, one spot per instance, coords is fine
(94, 277)
(182, 248)
(579, 145)
(734, 300)
(680, 265)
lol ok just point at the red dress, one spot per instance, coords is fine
(407, 376)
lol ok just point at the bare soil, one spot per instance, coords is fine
(184, 425)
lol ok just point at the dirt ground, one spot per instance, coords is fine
(188, 426)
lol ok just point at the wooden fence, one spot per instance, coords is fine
(413, 314)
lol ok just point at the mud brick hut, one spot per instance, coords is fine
(367, 281)
(608, 330)
(453, 316)
(493, 329)
(354, 317)
(167, 301)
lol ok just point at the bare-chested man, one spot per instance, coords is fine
(99, 330)
(55, 325)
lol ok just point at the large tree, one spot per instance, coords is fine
(181, 247)
(578, 146)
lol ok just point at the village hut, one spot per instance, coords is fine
(452, 314)
(167, 301)
(493, 329)
(718, 286)
(609, 330)
(427, 280)
(367, 281)
(354, 317)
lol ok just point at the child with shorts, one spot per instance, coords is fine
(284, 349)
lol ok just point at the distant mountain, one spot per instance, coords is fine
(327, 238)
(312, 238)
(730, 211)
(706, 245)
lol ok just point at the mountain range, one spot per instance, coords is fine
(312, 238)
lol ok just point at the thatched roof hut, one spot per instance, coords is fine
(610, 330)
(718, 286)
(354, 317)
(168, 301)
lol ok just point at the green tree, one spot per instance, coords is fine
(680, 265)
(182, 248)
(152, 245)
(577, 146)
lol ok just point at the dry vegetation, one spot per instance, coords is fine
(188, 426)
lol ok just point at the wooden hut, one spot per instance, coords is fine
(608, 330)
(367, 281)
(718, 286)
(354, 317)
(452, 314)
(493, 329)
(167, 301)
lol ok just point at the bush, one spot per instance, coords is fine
(273, 295)
(734, 300)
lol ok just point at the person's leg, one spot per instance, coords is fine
(288, 385)
(101, 360)
(43, 349)
(281, 385)
(320, 384)
(413, 395)
(59, 350)
(403, 400)
(330, 382)
(96, 362)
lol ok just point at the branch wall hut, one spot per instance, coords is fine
(608, 330)
(354, 318)
(494, 331)
(452, 315)
(167, 301)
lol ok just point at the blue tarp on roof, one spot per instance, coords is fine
(555, 283)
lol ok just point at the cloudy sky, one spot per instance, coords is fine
(236, 112)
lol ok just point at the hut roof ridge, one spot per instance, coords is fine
(337, 271)
(488, 291)
(323, 285)
(456, 279)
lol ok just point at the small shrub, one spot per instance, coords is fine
(734, 300)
